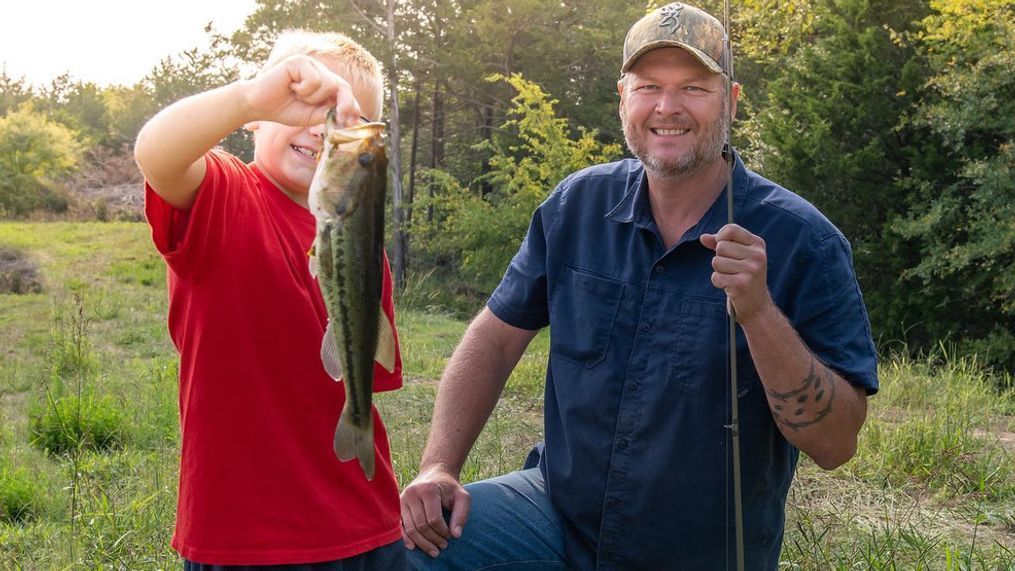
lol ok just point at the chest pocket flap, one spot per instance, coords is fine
(582, 314)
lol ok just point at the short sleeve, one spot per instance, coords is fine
(830, 315)
(190, 239)
(521, 298)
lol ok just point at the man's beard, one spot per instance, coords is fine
(703, 153)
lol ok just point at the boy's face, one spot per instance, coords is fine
(288, 155)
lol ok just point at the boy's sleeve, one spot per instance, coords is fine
(383, 380)
(191, 239)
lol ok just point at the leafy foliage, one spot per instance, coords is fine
(484, 230)
(34, 153)
(962, 216)
(70, 423)
(833, 130)
(19, 496)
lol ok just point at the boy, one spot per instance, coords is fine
(259, 482)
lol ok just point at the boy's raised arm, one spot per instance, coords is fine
(170, 148)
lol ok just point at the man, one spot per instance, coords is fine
(632, 266)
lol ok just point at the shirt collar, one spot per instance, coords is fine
(634, 205)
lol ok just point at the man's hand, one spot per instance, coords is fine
(299, 91)
(741, 269)
(423, 502)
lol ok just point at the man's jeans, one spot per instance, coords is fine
(511, 526)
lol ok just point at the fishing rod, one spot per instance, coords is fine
(734, 426)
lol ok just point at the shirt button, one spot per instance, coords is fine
(633, 385)
(660, 268)
(611, 502)
(621, 444)
(645, 327)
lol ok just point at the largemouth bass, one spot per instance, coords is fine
(347, 200)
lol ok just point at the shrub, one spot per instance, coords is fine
(71, 423)
(18, 274)
(19, 496)
(34, 153)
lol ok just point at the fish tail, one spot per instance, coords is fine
(352, 441)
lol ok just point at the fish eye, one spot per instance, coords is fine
(365, 159)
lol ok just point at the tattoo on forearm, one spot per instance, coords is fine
(806, 405)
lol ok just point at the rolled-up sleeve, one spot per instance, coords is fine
(830, 315)
(521, 298)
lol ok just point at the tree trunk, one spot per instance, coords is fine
(395, 154)
(437, 136)
(486, 131)
(410, 198)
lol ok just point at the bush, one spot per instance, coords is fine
(19, 497)
(17, 273)
(483, 230)
(34, 153)
(70, 423)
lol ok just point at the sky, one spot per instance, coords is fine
(106, 41)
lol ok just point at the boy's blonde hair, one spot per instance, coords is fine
(355, 63)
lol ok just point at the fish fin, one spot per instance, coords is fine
(329, 354)
(353, 441)
(385, 342)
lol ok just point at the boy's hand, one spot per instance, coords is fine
(299, 91)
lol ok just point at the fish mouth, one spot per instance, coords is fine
(339, 136)
(305, 151)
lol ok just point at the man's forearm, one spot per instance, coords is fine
(469, 390)
(818, 411)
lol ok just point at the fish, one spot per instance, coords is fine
(346, 197)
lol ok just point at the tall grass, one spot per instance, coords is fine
(931, 486)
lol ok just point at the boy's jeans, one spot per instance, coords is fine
(511, 527)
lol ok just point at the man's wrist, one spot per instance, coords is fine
(763, 318)
(436, 466)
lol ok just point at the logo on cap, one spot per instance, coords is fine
(670, 17)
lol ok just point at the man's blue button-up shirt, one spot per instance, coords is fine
(637, 454)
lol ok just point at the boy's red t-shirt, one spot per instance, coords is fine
(259, 482)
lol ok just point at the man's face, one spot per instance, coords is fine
(673, 111)
(288, 155)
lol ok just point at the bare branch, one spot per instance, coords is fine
(379, 29)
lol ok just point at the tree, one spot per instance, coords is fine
(34, 153)
(78, 105)
(962, 216)
(485, 230)
(833, 130)
(13, 92)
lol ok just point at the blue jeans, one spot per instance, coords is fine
(511, 527)
(390, 557)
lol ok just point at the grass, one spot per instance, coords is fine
(932, 486)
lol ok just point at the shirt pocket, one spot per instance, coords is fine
(583, 311)
(699, 364)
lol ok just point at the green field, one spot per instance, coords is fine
(88, 365)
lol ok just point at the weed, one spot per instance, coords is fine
(19, 496)
(65, 424)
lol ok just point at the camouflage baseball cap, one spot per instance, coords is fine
(676, 25)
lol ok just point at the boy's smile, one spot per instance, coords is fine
(308, 153)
